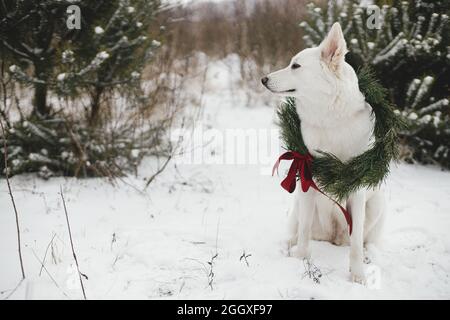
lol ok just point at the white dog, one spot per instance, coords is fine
(334, 118)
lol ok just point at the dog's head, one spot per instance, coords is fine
(313, 73)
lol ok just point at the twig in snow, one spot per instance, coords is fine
(211, 273)
(158, 172)
(244, 257)
(54, 254)
(312, 271)
(50, 276)
(5, 148)
(71, 244)
(13, 290)
(45, 254)
(113, 240)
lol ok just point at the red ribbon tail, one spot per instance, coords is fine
(289, 183)
(302, 165)
(275, 167)
(347, 215)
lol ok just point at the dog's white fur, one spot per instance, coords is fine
(334, 118)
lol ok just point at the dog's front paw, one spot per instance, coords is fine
(301, 252)
(357, 273)
(359, 278)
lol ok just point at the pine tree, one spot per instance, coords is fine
(110, 53)
(410, 54)
(428, 121)
(31, 32)
(102, 61)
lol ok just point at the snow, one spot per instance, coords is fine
(157, 243)
(428, 80)
(412, 116)
(13, 68)
(61, 77)
(99, 30)
(68, 56)
(135, 153)
(103, 55)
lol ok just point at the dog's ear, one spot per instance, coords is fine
(334, 47)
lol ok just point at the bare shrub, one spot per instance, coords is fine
(265, 32)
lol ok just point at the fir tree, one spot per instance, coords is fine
(410, 54)
(28, 32)
(108, 51)
(110, 54)
(102, 61)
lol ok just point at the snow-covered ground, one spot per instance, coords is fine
(157, 244)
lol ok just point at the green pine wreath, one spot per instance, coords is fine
(336, 178)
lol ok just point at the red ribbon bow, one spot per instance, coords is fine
(302, 164)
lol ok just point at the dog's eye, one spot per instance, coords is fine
(295, 66)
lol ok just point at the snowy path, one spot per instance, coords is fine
(157, 244)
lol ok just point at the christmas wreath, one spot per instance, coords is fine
(334, 178)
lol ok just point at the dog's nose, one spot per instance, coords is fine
(264, 80)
